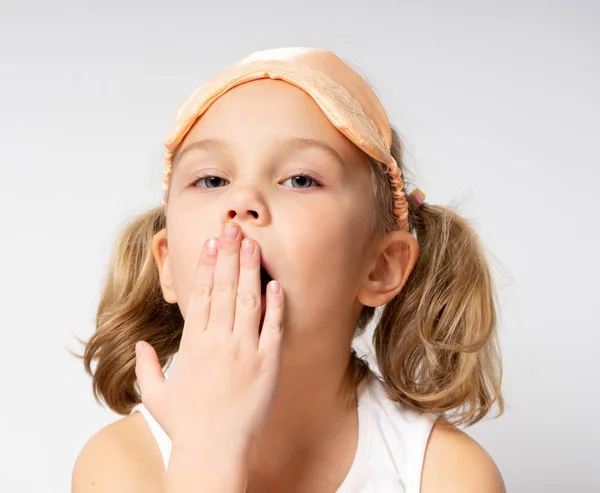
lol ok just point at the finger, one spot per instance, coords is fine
(248, 300)
(271, 334)
(222, 302)
(198, 308)
(148, 371)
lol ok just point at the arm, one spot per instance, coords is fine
(455, 463)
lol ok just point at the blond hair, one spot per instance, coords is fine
(435, 343)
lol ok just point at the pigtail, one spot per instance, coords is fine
(436, 343)
(131, 308)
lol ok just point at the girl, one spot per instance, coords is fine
(250, 286)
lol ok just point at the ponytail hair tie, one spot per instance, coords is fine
(417, 197)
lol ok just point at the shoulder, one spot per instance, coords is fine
(121, 457)
(454, 462)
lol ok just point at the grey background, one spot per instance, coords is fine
(497, 102)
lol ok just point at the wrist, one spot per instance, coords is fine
(213, 447)
(207, 439)
(211, 466)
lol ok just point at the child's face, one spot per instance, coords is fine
(313, 238)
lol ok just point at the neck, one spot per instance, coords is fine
(315, 401)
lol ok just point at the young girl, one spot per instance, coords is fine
(250, 285)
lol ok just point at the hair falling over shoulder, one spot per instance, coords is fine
(132, 308)
(435, 343)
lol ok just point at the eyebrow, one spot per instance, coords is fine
(285, 145)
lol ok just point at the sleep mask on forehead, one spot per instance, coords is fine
(341, 93)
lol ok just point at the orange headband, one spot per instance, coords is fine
(342, 94)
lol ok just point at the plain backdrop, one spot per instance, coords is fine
(497, 103)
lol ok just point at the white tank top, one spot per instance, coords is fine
(391, 442)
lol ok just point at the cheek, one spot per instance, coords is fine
(184, 255)
(324, 262)
(322, 285)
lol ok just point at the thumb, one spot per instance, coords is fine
(148, 370)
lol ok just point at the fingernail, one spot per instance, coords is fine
(247, 246)
(274, 287)
(212, 244)
(231, 231)
(138, 349)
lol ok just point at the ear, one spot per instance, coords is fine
(160, 250)
(388, 269)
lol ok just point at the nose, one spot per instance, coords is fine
(246, 205)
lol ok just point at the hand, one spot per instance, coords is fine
(222, 383)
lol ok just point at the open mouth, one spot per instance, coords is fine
(265, 278)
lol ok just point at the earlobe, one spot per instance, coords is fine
(389, 269)
(160, 251)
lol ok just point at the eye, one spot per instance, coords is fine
(211, 181)
(303, 180)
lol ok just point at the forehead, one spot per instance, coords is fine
(268, 111)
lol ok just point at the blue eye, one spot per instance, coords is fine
(209, 179)
(304, 179)
(212, 181)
